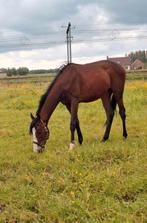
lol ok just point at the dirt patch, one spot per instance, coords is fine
(2, 207)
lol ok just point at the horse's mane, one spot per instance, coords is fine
(44, 96)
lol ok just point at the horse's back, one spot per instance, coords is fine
(111, 68)
(104, 72)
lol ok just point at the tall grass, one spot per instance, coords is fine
(94, 183)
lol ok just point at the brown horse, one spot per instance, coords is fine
(77, 83)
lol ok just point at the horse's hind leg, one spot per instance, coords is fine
(109, 113)
(122, 113)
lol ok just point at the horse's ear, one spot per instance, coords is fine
(32, 117)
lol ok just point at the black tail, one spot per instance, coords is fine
(113, 102)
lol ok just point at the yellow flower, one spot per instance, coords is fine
(72, 194)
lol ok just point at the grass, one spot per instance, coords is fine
(94, 183)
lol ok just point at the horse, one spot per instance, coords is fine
(78, 83)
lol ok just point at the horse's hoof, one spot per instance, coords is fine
(104, 140)
(80, 141)
(71, 146)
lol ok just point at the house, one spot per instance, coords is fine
(125, 62)
(137, 64)
(3, 72)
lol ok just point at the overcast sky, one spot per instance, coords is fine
(32, 32)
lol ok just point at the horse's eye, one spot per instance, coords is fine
(39, 131)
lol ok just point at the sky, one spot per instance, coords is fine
(33, 32)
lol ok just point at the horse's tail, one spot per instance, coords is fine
(113, 102)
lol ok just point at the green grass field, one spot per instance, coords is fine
(94, 183)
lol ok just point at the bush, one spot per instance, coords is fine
(20, 71)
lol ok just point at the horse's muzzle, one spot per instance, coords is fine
(38, 148)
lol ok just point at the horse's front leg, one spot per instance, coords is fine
(73, 122)
(80, 136)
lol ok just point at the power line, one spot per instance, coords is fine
(19, 42)
(75, 40)
(109, 39)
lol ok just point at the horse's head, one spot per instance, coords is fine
(40, 133)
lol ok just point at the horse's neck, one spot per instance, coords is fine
(50, 104)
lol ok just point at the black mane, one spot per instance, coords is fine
(44, 96)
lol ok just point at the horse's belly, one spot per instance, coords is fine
(89, 100)
(95, 87)
(93, 93)
(91, 96)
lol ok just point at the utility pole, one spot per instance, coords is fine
(68, 41)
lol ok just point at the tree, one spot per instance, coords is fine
(141, 55)
(22, 71)
(11, 72)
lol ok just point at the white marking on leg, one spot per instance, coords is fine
(71, 146)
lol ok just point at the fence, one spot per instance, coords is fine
(28, 79)
(46, 78)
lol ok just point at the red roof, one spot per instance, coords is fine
(124, 61)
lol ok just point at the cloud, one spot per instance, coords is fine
(34, 16)
(31, 31)
(130, 12)
(34, 59)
